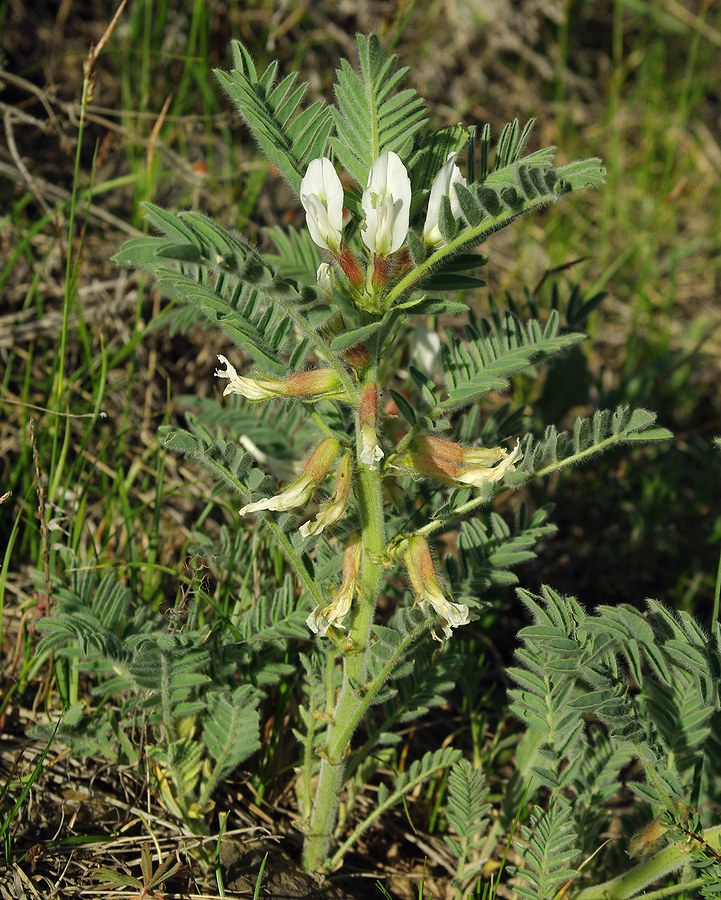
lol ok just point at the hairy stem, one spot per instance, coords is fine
(668, 860)
(351, 703)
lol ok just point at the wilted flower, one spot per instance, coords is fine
(443, 186)
(334, 508)
(322, 617)
(316, 384)
(386, 203)
(321, 194)
(301, 491)
(454, 464)
(370, 450)
(422, 574)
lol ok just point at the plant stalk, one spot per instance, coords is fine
(355, 668)
(663, 863)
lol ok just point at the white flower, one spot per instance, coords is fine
(454, 464)
(371, 453)
(334, 508)
(370, 450)
(320, 620)
(322, 617)
(422, 574)
(443, 186)
(298, 494)
(451, 614)
(321, 194)
(386, 203)
(250, 388)
(324, 277)
(315, 384)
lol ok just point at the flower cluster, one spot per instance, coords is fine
(386, 208)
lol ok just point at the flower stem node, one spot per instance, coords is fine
(314, 385)
(321, 194)
(331, 616)
(301, 491)
(422, 575)
(454, 464)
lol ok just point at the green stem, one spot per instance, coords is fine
(471, 505)
(467, 238)
(353, 700)
(668, 860)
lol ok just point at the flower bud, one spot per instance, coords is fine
(422, 574)
(454, 464)
(323, 617)
(357, 356)
(300, 491)
(316, 384)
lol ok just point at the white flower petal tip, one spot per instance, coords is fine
(421, 571)
(316, 623)
(371, 455)
(386, 202)
(321, 194)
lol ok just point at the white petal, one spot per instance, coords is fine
(249, 388)
(482, 475)
(453, 614)
(371, 455)
(442, 186)
(321, 194)
(316, 622)
(296, 495)
(386, 202)
(324, 277)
